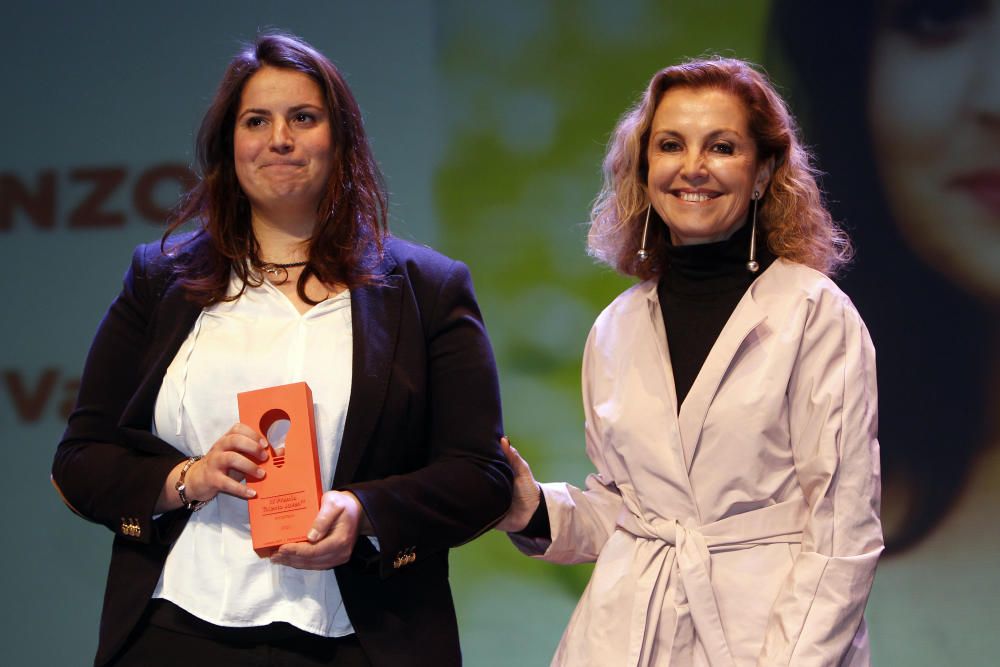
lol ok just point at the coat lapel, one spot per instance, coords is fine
(659, 335)
(375, 316)
(745, 318)
(677, 454)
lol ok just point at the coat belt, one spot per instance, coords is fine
(693, 546)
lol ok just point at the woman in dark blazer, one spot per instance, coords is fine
(290, 212)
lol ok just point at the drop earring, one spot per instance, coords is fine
(752, 265)
(643, 253)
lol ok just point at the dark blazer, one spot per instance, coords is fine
(420, 447)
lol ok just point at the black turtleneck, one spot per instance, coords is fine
(699, 289)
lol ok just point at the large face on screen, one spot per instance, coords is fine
(934, 110)
(702, 164)
(282, 142)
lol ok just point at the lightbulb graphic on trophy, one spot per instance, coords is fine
(275, 425)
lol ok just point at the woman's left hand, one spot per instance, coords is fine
(332, 537)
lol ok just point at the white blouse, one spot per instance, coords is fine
(260, 340)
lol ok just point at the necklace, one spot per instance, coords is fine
(275, 269)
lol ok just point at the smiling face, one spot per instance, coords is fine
(703, 164)
(282, 146)
(934, 110)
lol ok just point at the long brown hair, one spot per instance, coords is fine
(347, 241)
(792, 211)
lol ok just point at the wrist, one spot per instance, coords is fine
(532, 507)
(364, 525)
(183, 488)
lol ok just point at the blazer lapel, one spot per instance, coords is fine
(375, 317)
(178, 315)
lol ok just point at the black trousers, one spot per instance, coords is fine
(169, 636)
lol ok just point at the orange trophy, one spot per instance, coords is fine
(288, 497)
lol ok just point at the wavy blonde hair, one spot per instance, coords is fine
(792, 212)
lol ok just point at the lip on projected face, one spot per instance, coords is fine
(984, 188)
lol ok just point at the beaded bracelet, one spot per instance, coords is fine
(193, 505)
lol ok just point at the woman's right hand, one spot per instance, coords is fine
(527, 493)
(234, 457)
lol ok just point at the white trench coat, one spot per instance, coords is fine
(745, 529)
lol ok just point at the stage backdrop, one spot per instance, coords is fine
(490, 120)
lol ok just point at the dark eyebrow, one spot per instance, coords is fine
(300, 107)
(265, 112)
(257, 112)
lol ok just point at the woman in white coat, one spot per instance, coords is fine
(730, 400)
